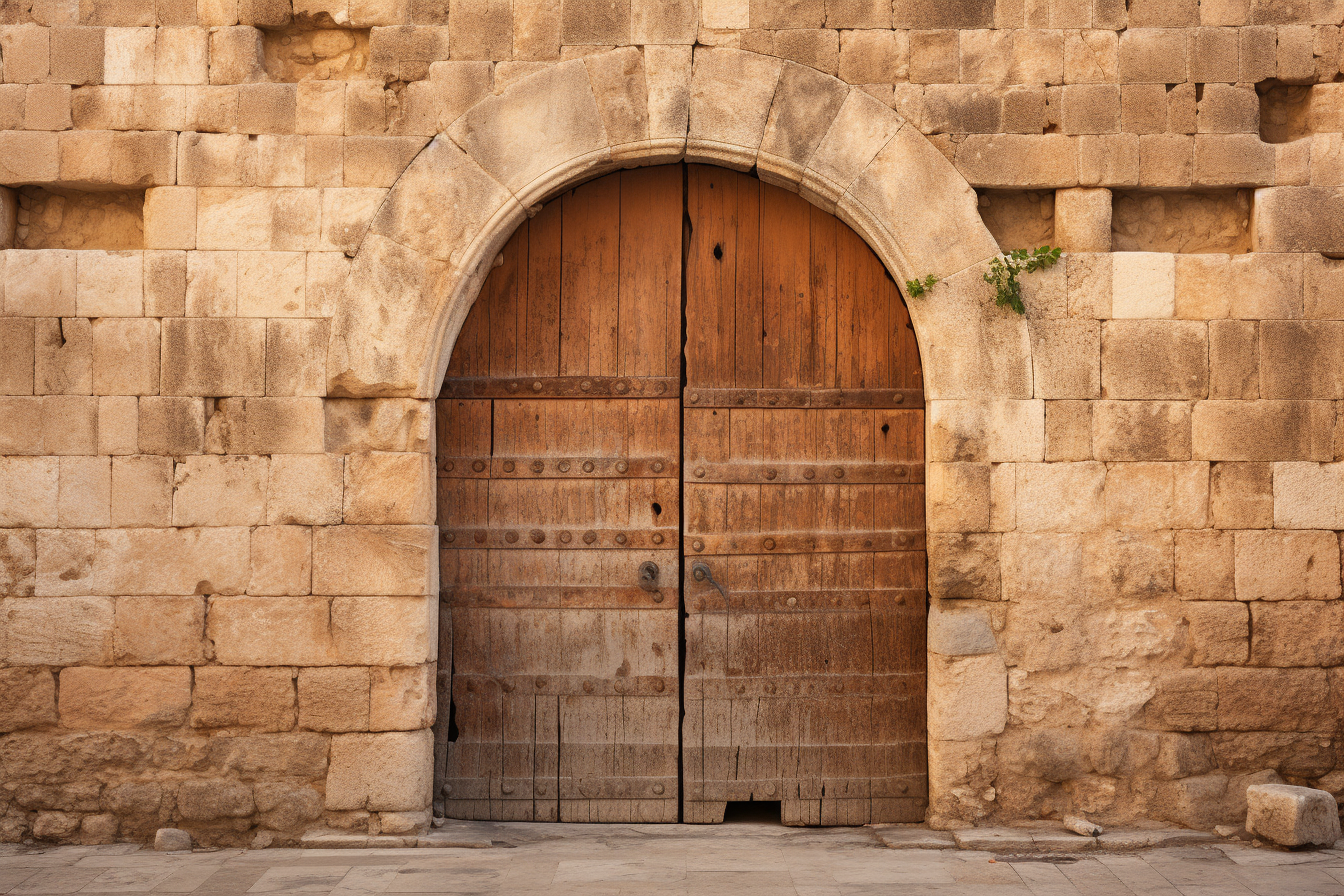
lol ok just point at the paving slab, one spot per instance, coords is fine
(914, 838)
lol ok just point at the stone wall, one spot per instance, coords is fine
(217, 548)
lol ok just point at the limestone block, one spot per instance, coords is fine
(968, 697)
(271, 284)
(117, 159)
(55, 632)
(69, 424)
(383, 488)
(243, 697)
(1308, 496)
(159, 631)
(63, 362)
(171, 561)
(296, 357)
(346, 214)
(242, 160)
(214, 357)
(730, 102)
(934, 56)
(1166, 160)
(1024, 161)
(16, 356)
(1302, 359)
(30, 699)
(861, 128)
(1298, 219)
(77, 55)
(270, 631)
(1273, 565)
(327, 273)
(1323, 288)
(1083, 220)
(1157, 495)
(961, 109)
(379, 161)
(380, 772)
(1065, 497)
(334, 699)
(618, 83)
(1219, 632)
(39, 283)
(304, 489)
(21, 425)
(964, 566)
(267, 108)
(287, 808)
(1130, 564)
(555, 110)
(956, 629)
(401, 698)
(213, 490)
(384, 631)
(1228, 109)
(125, 356)
(874, 56)
(27, 52)
(281, 560)
(1266, 285)
(396, 424)
(1143, 285)
(124, 698)
(1262, 430)
(65, 561)
(128, 55)
(265, 426)
(986, 431)
(1089, 281)
(1204, 565)
(1292, 816)
(1066, 358)
(958, 497)
(236, 55)
(1242, 496)
(281, 219)
(1147, 359)
(1154, 55)
(182, 55)
(1185, 700)
(118, 424)
(212, 284)
(85, 492)
(1297, 633)
(1234, 359)
(18, 562)
(667, 71)
(172, 425)
(301, 755)
(46, 107)
(1299, 701)
(213, 800)
(165, 283)
(29, 491)
(29, 157)
(1090, 109)
(170, 218)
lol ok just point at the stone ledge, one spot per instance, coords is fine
(1032, 840)
(330, 839)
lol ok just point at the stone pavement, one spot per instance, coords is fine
(740, 859)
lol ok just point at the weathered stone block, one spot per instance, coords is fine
(1063, 497)
(243, 697)
(1300, 700)
(1083, 220)
(29, 490)
(118, 425)
(159, 631)
(986, 431)
(386, 488)
(958, 497)
(30, 699)
(214, 357)
(1068, 430)
(171, 561)
(1154, 359)
(142, 491)
(1234, 359)
(214, 490)
(1292, 816)
(63, 360)
(304, 489)
(40, 282)
(1066, 358)
(1204, 565)
(1141, 430)
(968, 697)
(1242, 496)
(1143, 285)
(401, 698)
(266, 426)
(1262, 430)
(1273, 565)
(1302, 359)
(1157, 495)
(384, 631)
(730, 102)
(375, 560)
(1219, 632)
(281, 560)
(1298, 219)
(296, 357)
(1308, 496)
(271, 631)
(334, 699)
(85, 492)
(18, 562)
(964, 566)
(1297, 633)
(213, 800)
(380, 772)
(103, 699)
(957, 628)
(172, 426)
(125, 356)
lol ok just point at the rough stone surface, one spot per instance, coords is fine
(1292, 816)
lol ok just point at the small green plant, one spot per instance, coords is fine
(1003, 271)
(917, 288)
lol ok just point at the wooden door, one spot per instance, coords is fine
(558, 462)
(569, 452)
(804, 507)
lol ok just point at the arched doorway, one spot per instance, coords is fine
(681, 508)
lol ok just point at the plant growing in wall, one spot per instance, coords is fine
(1002, 275)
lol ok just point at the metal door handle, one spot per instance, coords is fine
(648, 575)
(700, 572)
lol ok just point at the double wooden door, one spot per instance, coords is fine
(681, 508)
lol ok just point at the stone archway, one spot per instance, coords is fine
(428, 250)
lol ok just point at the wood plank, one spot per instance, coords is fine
(590, 267)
